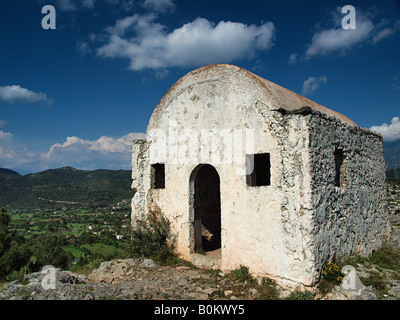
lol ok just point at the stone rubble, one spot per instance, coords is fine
(140, 279)
(137, 279)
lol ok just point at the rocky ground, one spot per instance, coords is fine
(141, 279)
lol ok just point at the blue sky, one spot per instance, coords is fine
(78, 94)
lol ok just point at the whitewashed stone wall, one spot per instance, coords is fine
(288, 229)
(352, 219)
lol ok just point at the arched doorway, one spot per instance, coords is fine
(205, 204)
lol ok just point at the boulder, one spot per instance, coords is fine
(112, 271)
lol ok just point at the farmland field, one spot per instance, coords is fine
(83, 231)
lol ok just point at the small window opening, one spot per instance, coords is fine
(258, 169)
(158, 176)
(340, 169)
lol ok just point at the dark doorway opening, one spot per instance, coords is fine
(207, 208)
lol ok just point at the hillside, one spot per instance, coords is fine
(65, 186)
(392, 154)
(393, 174)
(5, 172)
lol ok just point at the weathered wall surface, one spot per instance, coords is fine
(140, 178)
(351, 218)
(266, 228)
(285, 230)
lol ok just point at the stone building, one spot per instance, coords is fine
(250, 173)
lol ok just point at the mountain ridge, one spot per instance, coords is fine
(65, 186)
(5, 171)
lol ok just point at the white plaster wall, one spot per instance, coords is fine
(256, 231)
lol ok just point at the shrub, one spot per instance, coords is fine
(386, 257)
(375, 280)
(332, 273)
(241, 274)
(268, 290)
(301, 295)
(152, 238)
(331, 276)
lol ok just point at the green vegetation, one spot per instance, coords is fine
(301, 295)
(241, 274)
(268, 290)
(64, 187)
(151, 237)
(69, 239)
(63, 217)
(331, 277)
(387, 257)
(14, 254)
(393, 175)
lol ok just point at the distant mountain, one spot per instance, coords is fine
(65, 186)
(4, 172)
(392, 154)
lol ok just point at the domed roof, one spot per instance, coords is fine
(280, 98)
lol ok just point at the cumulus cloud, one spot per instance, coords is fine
(149, 45)
(336, 39)
(389, 132)
(104, 144)
(312, 84)
(105, 152)
(16, 93)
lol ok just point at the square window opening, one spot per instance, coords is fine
(258, 169)
(158, 176)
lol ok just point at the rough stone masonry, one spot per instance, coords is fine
(250, 173)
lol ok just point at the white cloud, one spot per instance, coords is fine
(104, 144)
(88, 3)
(389, 132)
(159, 5)
(83, 48)
(292, 58)
(337, 39)
(105, 152)
(148, 45)
(126, 5)
(16, 93)
(312, 84)
(66, 5)
(5, 135)
(2, 123)
(385, 32)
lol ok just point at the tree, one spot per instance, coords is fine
(5, 235)
(48, 252)
(13, 255)
(152, 237)
(15, 258)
